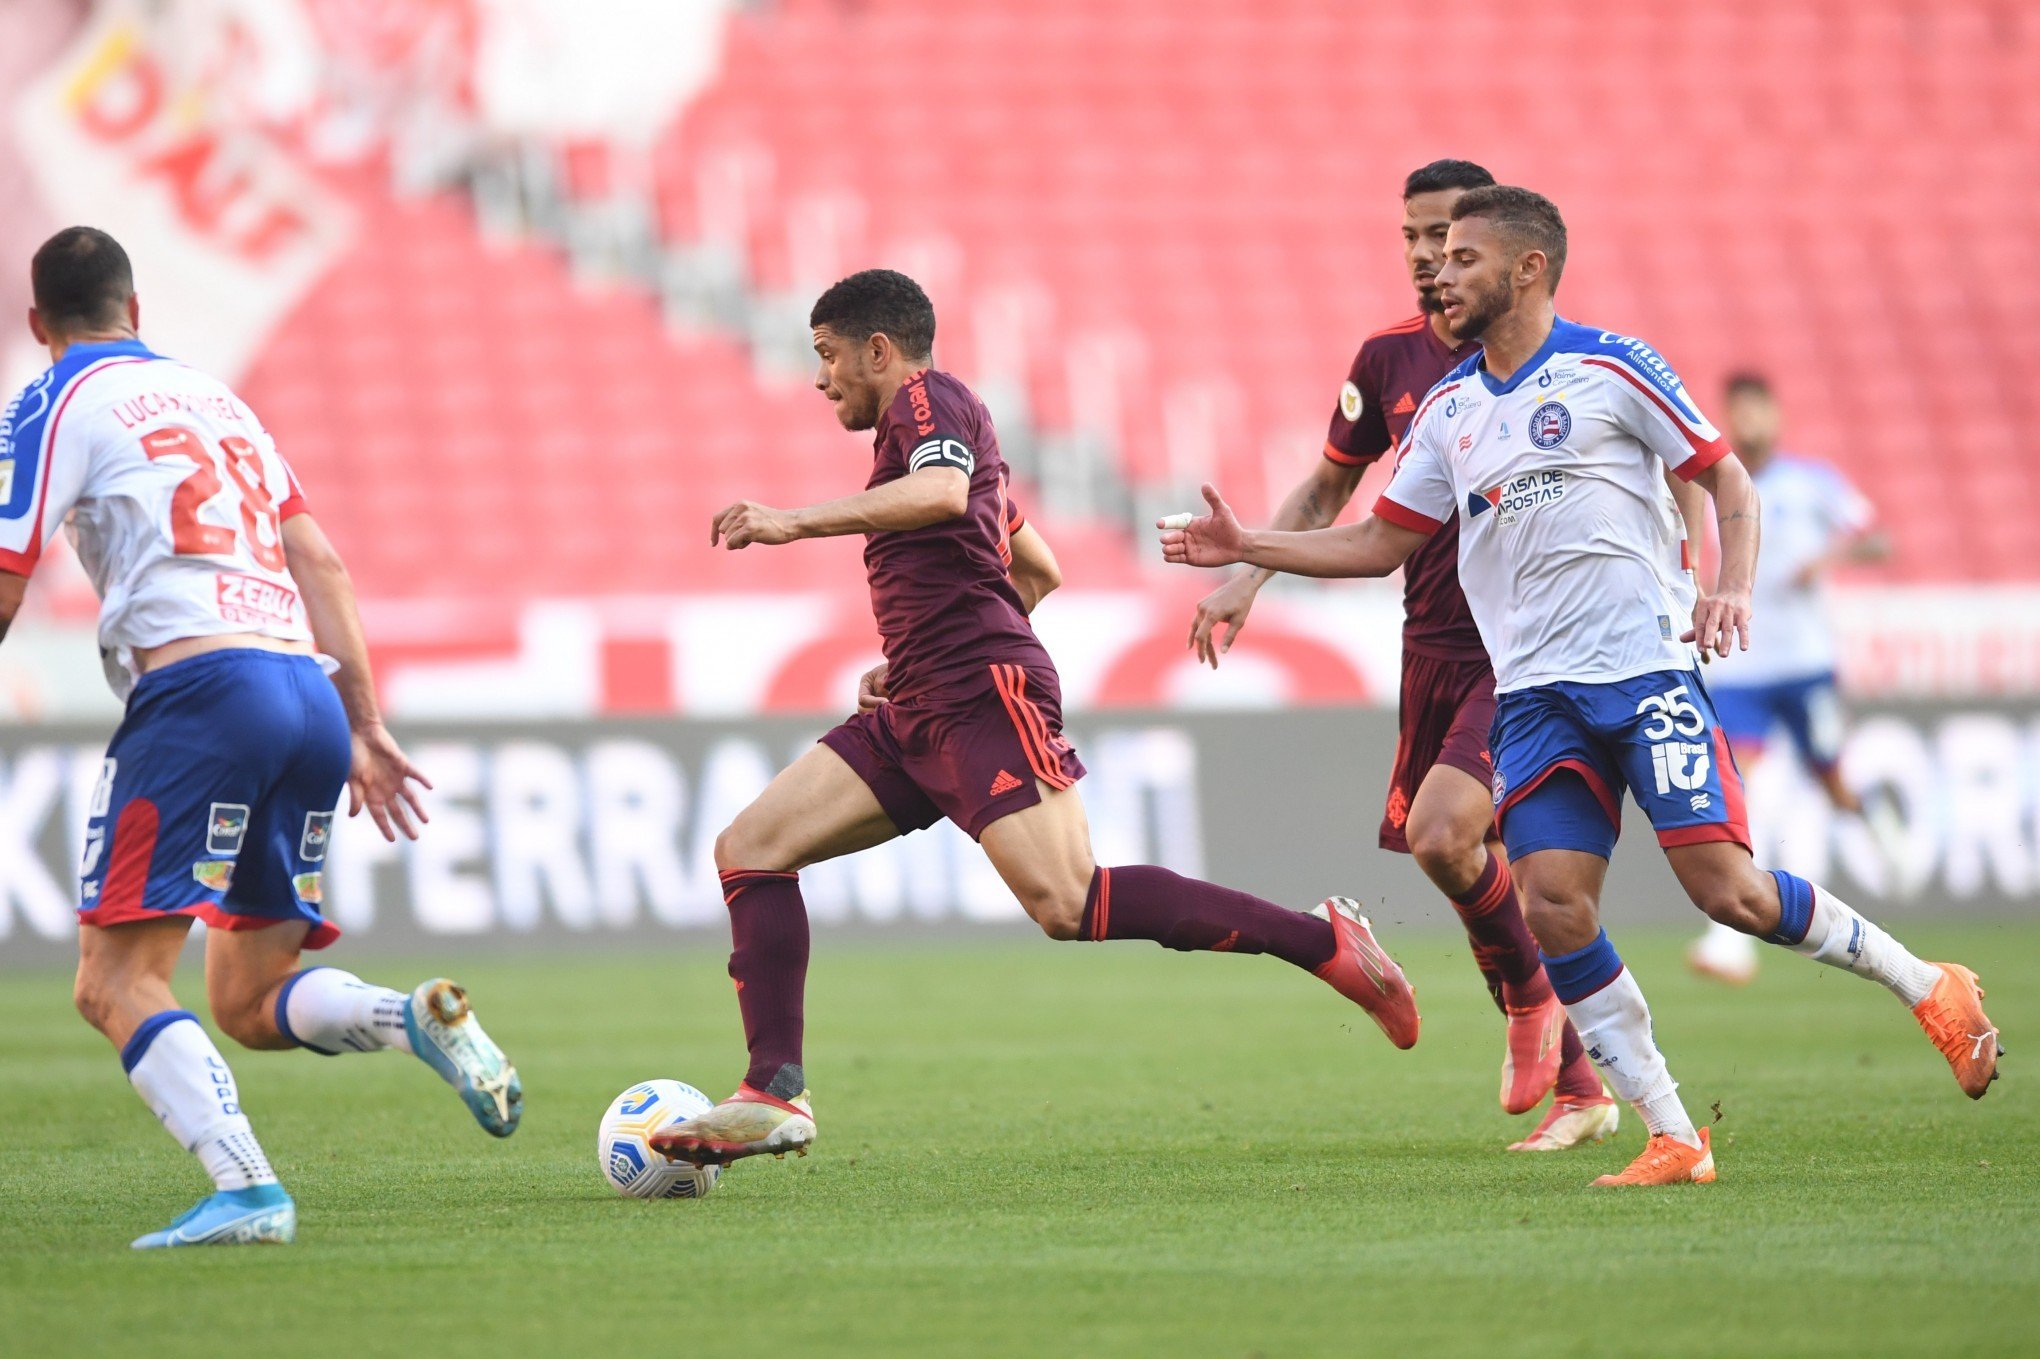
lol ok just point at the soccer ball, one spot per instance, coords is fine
(624, 1150)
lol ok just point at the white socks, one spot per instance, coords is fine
(333, 1011)
(181, 1076)
(1840, 938)
(1614, 1024)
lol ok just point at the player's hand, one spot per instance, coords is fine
(1228, 604)
(748, 522)
(380, 779)
(871, 691)
(1719, 621)
(1214, 540)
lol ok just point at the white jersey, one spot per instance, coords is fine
(179, 497)
(1571, 549)
(1809, 508)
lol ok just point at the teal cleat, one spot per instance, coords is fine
(447, 1037)
(261, 1216)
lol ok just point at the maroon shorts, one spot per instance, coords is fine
(1446, 710)
(971, 752)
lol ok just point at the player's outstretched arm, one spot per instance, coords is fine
(380, 776)
(1372, 547)
(916, 500)
(1035, 571)
(1722, 619)
(1314, 503)
(12, 588)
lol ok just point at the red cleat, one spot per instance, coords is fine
(1362, 972)
(1530, 1061)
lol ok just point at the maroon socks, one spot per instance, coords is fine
(1502, 945)
(769, 928)
(1507, 956)
(1140, 901)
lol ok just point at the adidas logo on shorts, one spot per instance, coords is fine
(1003, 784)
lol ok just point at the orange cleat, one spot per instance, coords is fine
(1952, 1014)
(1364, 974)
(1667, 1160)
(1571, 1122)
(1530, 1061)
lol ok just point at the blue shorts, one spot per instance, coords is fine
(1809, 709)
(217, 796)
(1656, 735)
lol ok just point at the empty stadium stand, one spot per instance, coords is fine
(1164, 225)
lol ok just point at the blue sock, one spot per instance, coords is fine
(1577, 975)
(1795, 909)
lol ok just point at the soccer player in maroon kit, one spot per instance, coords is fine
(963, 721)
(1439, 806)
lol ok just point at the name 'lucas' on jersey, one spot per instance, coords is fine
(176, 492)
(1572, 552)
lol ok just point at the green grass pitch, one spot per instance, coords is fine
(1033, 1149)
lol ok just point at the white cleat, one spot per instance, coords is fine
(446, 1036)
(1724, 955)
(1573, 1122)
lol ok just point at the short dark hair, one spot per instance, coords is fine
(1523, 213)
(82, 280)
(1445, 174)
(1745, 382)
(878, 302)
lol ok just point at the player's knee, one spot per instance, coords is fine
(94, 999)
(1448, 856)
(1561, 921)
(740, 846)
(1058, 911)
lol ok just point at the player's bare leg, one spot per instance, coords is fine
(1723, 953)
(1449, 823)
(1044, 854)
(1786, 909)
(1562, 901)
(816, 809)
(262, 997)
(123, 990)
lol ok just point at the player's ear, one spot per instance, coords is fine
(134, 311)
(35, 327)
(879, 350)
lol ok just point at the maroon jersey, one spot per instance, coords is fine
(946, 608)
(1390, 375)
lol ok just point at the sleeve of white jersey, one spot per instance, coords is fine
(1659, 410)
(41, 476)
(1419, 496)
(1849, 509)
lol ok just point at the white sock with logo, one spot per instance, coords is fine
(335, 1011)
(181, 1076)
(1841, 938)
(1614, 1024)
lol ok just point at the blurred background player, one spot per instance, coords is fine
(1552, 442)
(1439, 808)
(964, 722)
(1814, 520)
(217, 797)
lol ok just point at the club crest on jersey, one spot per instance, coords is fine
(225, 828)
(1350, 404)
(318, 831)
(1549, 424)
(1510, 500)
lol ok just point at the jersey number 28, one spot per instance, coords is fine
(191, 536)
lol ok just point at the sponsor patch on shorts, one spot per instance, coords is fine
(318, 832)
(215, 875)
(225, 828)
(310, 888)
